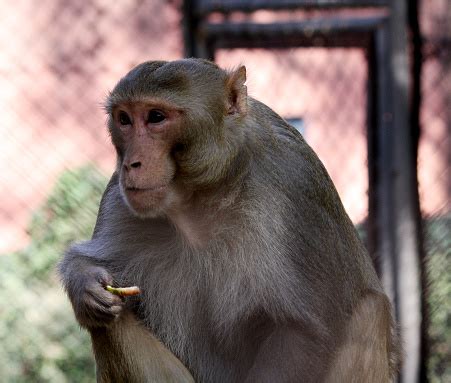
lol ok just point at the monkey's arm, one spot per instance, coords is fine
(128, 352)
(124, 349)
(84, 277)
(107, 194)
(83, 254)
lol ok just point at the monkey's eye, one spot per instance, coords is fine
(156, 116)
(124, 119)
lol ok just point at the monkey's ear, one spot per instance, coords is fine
(237, 91)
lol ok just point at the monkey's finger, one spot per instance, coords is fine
(116, 310)
(104, 298)
(96, 310)
(103, 277)
(91, 318)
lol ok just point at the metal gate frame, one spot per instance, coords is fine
(394, 223)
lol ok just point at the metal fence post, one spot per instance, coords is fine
(405, 198)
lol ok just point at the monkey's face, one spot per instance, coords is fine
(145, 134)
(168, 125)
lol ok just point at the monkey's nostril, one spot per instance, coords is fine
(135, 165)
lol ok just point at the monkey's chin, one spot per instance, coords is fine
(145, 203)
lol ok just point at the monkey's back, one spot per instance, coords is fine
(304, 208)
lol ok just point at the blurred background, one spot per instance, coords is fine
(367, 82)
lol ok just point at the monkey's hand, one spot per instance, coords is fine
(93, 305)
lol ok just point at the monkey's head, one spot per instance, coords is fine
(175, 127)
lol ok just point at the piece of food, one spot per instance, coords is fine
(124, 291)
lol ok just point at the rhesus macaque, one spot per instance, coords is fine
(249, 268)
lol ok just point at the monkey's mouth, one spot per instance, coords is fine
(145, 197)
(143, 200)
(135, 189)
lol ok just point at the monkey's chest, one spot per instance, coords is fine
(187, 319)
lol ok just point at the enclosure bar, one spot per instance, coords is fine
(208, 6)
(384, 203)
(405, 198)
(189, 24)
(373, 150)
(415, 109)
(336, 32)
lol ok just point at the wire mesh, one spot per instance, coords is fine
(58, 60)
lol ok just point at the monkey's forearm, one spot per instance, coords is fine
(75, 262)
(150, 360)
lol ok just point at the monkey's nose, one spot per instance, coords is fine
(134, 165)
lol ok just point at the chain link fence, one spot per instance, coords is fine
(58, 59)
(434, 180)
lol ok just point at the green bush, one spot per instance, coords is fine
(438, 261)
(41, 342)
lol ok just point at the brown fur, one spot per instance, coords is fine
(249, 267)
(127, 352)
(366, 352)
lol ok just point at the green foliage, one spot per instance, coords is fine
(438, 249)
(40, 339)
